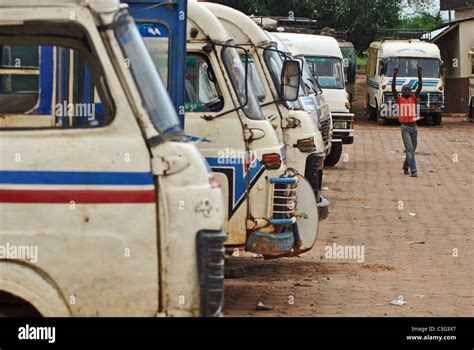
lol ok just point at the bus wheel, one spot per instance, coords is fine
(12, 306)
(371, 112)
(333, 157)
(471, 109)
(437, 117)
(380, 120)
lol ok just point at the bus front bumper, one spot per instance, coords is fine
(343, 127)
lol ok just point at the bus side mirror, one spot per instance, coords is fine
(290, 80)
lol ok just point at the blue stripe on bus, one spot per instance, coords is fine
(240, 178)
(74, 178)
(283, 180)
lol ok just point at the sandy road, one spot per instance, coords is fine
(428, 259)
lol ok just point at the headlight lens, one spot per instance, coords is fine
(340, 125)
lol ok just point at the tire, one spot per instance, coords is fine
(422, 121)
(18, 310)
(380, 120)
(12, 306)
(371, 112)
(333, 157)
(470, 116)
(437, 118)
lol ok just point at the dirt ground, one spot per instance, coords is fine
(417, 233)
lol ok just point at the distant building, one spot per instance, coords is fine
(462, 8)
(455, 39)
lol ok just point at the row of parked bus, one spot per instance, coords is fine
(139, 142)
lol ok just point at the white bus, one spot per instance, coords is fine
(306, 144)
(106, 210)
(324, 57)
(266, 196)
(384, 55)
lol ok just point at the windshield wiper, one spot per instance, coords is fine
(310, 87)
(211, 117)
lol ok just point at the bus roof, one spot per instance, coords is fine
(313, 45)
(206, 22)
(239, 25)
(406, 48)
(282, 46)
(345, 44)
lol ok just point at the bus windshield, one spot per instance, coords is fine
(308, 79)
(155, 98)
(327, 71)
(255, 79)
(408, 66)
(245, 94)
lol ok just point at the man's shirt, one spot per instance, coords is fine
(406, 108)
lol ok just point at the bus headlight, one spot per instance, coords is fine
(340, 125)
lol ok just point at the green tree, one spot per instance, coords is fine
(249, 7)
(330, 13)
(421, 22)
(420, 14)
(271, 7)
(361, 18)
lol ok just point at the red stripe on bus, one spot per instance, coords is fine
(76, 196)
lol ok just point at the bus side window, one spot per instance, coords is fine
(19, 78)
(45, 86)
(381, 68)
(76, 103)
(372, 63)
(202, 93)
(157, 40)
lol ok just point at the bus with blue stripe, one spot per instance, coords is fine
(407, 54)
(100, 190)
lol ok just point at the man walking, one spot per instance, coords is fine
(407, 112)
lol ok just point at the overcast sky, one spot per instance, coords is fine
(433, 6)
